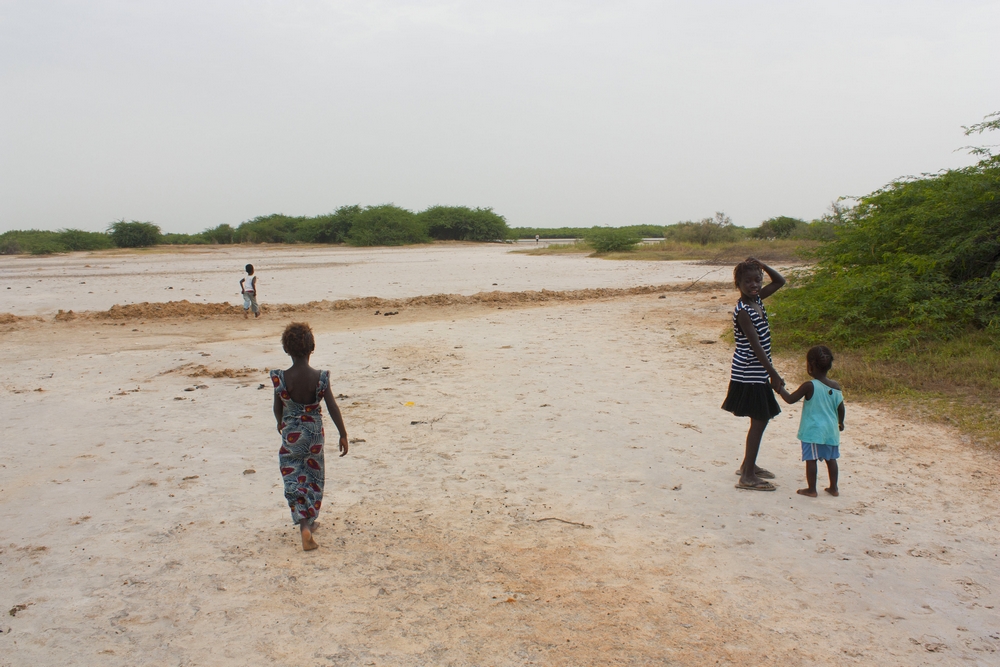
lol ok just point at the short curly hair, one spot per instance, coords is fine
(745, 267)
(820, 357)
(298, 340)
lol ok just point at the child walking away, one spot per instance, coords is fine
(298, 393)
(248, 287)
(749, 392)
(822, 419)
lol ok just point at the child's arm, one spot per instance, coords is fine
(253, 285)
(331, 405)
(746, 326)
(279, 411)
(242, 288)
(840, 415)
(805, 389)
(777, 281)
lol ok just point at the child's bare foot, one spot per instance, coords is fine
(832, 492)
(807, 492)
(308, 543)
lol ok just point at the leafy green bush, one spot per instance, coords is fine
(39, 242)
(610, 239)
(220, 234)
(460, 223)
(331, 228)
(781, 227)
(916, 260)
(134, 234)
(77, 239)
(386, 225)
(643, 231)
(719, 229)
(184, 239)
(274, 228)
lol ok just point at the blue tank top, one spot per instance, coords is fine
(820, 424)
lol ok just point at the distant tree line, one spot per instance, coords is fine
(355, 225)
(717, 229)
(391, 225)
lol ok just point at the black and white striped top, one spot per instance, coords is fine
(746, 367)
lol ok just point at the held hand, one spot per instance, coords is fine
(343, 445)
(777, 383)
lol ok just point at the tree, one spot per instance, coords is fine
(781, 227)
(611, 239)
(460, 223)
(134, 234)
(708, 230)
(386, 225)
(917, 259)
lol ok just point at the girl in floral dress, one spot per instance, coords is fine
(298, 394)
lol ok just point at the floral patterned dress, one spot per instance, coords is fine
(301, 455)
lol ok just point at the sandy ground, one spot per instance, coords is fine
(293, 274)
(530, 484)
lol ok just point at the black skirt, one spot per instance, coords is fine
(754, 400)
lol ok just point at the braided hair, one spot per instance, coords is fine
(820, 357)
(298, 340)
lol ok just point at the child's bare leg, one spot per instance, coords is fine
(748, 469)
(308, 543)
(810, 480)
(834, 470)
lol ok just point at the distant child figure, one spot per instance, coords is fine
(822, 419)
(248, 286)
(298, 394)
(750, 394)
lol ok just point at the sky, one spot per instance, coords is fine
(553, 113)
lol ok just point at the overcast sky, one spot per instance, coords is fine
(192, 114)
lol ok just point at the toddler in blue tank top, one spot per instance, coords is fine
(822, 419)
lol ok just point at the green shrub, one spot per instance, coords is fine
(781, 227)
(184, 239)
(76, 239)
(274, 228)
(134, 234)
(220, 234)
(917, 260)
(610, 239)
(643, 231)
(386, 225)
(719, 229)
(38, 242)
(460, 223)
(331, 228)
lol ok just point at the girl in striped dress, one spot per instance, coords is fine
(750, 394)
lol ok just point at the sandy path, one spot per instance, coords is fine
(293, 274)
(131, 535)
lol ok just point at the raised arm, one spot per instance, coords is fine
(334, 410)
(777, 281)
(746, 326)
